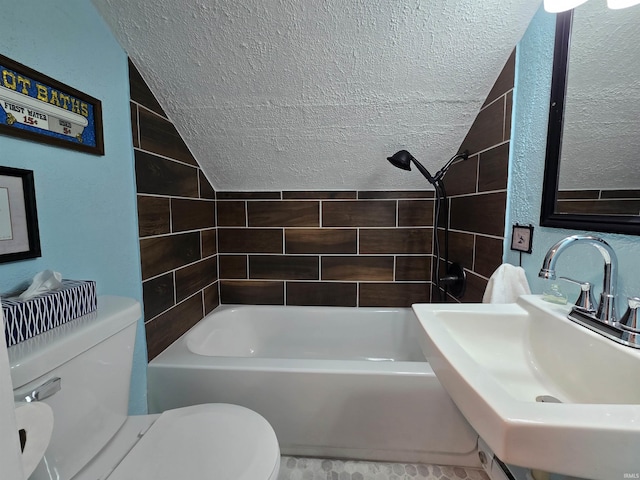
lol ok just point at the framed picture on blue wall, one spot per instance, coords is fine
(19, 235)
(522, 238)
(36, 107)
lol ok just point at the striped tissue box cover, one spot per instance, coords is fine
(26, 319)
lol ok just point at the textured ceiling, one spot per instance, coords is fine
(297, 94)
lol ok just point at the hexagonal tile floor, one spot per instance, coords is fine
(300, 468)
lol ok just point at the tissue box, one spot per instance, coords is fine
(24, 319)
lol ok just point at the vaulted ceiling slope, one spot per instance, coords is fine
(303, 94)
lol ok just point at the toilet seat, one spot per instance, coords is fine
(221, 441)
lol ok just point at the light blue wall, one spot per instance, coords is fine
(531, 109)
(86, 203)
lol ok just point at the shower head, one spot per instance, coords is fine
(403, 159)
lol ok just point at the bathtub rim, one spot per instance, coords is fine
(179, 355)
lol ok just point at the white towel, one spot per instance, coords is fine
(506, 284)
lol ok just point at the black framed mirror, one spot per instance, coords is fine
(607, 208)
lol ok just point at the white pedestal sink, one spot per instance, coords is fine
(496, 360)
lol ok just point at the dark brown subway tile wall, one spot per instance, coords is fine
(477, 190)
(177, 226)
(200, 248)
(342, 248)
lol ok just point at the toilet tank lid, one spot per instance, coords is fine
(42, 353)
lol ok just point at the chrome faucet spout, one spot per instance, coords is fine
(606, 308)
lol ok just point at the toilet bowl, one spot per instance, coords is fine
(89, 361)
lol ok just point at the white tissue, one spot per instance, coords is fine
(43, 282)
(36, 419)
(506, 284)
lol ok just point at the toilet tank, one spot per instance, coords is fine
(92, 358)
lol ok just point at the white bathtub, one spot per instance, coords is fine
(333, 382)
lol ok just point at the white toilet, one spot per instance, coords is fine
(82, 370)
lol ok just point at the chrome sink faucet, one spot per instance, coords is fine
(606, 311)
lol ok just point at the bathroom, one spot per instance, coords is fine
(96, 223)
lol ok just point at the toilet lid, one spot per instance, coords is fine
(211, 441)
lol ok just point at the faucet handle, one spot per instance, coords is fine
(629, 323)
(629, 320)
(585, 301)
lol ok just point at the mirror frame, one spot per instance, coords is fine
(628, 224)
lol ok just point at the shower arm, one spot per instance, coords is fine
(441, 173)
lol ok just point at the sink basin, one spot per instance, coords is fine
(497, 362)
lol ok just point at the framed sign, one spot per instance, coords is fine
(39, 108)
(522, 238)
(19, 237)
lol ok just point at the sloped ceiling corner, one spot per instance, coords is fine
(293, 94)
